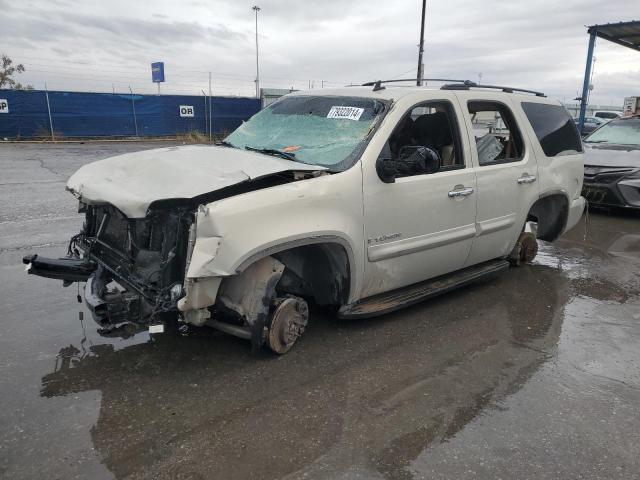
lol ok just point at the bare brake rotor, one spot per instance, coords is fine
(525, 250)
(288, 321)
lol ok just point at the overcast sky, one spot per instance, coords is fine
(98, 45)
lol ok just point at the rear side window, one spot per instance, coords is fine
(498, 139)
(554, 128)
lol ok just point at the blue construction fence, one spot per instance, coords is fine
(24, 114)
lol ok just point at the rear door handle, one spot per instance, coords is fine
(526, 179)
(460, 192)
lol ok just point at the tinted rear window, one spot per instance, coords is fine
(554, 128)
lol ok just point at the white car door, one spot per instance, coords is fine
(422, 225)
(506, 172)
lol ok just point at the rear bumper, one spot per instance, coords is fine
(576, 209)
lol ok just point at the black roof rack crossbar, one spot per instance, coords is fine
(467, 85)
(452, 85)
(371, 84)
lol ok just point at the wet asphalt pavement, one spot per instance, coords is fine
(534, 374)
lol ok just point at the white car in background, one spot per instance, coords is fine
(366, 199)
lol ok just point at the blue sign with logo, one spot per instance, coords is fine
(157, 72)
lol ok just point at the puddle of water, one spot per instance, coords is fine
(572, 419)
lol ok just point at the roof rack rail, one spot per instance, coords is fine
(452, 85)
(467, 85)
(377, 85)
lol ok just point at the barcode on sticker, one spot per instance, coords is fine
(351, 113)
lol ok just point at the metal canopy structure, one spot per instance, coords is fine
(626, 34)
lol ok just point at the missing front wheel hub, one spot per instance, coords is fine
(288, 322)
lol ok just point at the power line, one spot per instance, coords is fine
(180, 74)
(81, 76)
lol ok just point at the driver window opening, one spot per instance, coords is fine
(498, 139)
(431, 125)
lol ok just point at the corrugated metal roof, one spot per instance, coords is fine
(626, 34)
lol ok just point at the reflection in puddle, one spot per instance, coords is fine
(381, 398)
(375, 392)
(626, 246)
(567, 416)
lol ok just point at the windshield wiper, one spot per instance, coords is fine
(274, 152)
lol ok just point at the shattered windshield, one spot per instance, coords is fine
(322, 130)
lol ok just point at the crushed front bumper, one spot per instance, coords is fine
(68, 269)
(109, 306)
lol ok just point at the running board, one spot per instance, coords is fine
(395, 300)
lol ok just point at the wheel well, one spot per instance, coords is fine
(319, 271)
(550, 213)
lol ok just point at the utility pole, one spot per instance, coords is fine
(421, 46)
(257, 9)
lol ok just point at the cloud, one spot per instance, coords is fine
(20, 28)
(156, 32)
(539, 45)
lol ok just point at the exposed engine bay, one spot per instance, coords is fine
(133, 268)
(135, 271)
(146, 258)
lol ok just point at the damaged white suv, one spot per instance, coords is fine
(365, 199)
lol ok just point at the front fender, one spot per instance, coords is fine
(235, 232)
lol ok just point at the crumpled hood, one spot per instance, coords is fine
(610, 155)
(131, 182)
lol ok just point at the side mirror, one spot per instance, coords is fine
(418, 160)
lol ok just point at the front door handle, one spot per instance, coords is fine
(460, 192)
(526, 179)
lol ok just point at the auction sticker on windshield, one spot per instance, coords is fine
(351, 113)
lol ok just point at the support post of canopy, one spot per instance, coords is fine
(587, 79)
